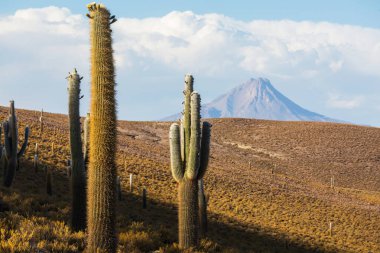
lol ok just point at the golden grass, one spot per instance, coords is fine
(250, 209)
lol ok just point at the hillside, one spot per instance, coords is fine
(268, 184)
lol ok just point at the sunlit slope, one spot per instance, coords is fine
(268, 185)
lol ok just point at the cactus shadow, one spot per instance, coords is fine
(28, 192)
(226, 232)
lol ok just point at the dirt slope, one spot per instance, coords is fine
(268, 184)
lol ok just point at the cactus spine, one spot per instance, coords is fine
(189, 164)
(78, 179)
(102, 165)
(11, 146)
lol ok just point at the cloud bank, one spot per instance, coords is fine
(39, 47)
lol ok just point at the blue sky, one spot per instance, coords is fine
(357, 12)
(324, 55)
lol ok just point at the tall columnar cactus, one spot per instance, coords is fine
(2, 154)
(78, 179)
(189, 151)
(86, 140)
(202, 202)
(11, 145)
(102, 165)
(1, 146)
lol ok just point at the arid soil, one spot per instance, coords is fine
(268, 183)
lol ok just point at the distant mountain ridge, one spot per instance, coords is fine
(258, 99)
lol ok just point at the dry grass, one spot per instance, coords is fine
(251, 209)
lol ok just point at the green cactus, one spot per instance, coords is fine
(3, 162)
(78, 179)
(2, 153)
(1, 147)
(13, 155)
(189, 152)
(102, 165)
(202, 202)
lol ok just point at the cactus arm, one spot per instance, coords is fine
(25, 144)
(205, 149)
(193, 161)
(13, 129)
(182, 142)
(189, 80)
(175, 153)
(7, 140)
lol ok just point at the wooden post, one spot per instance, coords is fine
(41, 122)
(144, 198)
(131, 182)
(35, 163)
(332, 183)
(331, 228)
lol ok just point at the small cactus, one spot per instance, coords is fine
(78, 179)
(11, 146)
(189, 151)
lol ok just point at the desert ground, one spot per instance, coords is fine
(268, 185)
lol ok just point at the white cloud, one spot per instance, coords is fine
(44, 44)
(337, 101)
(213, 43)
(209, 43)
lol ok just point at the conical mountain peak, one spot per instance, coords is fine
(259, 99)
